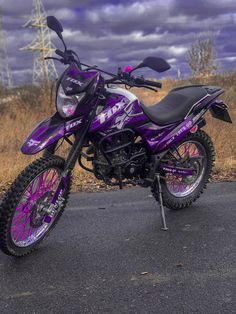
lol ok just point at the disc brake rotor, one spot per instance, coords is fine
(38, 212)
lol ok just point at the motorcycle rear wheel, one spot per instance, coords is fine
(178, 191)
(23, 221)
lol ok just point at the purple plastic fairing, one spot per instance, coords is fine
(48, 132)
(75, 81)
(122, 110)
(152, 134)
(179, 132)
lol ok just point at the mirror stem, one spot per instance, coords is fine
(64, 43)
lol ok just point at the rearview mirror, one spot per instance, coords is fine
(55, 25)
(156, 64)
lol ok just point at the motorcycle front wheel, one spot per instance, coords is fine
(24, 219)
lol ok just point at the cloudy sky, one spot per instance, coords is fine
(112, 33)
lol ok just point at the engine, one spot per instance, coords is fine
(120, 155)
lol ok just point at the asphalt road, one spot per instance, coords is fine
(108, 255)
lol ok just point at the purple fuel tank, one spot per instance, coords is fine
(123, 110)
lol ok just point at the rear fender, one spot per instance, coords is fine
(48, 132)
(219, 110)
(207, 101)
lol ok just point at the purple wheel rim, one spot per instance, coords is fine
(179, 185)
(29, 222)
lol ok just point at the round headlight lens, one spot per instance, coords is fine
(66, 105)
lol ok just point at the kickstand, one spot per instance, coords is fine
(163, 217)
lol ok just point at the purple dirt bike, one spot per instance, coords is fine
(162, 147)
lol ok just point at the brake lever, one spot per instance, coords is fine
(53, 58)
(148, 87)
(145, 86)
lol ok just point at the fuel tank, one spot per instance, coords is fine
(122, 109)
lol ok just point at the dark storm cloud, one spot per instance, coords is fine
(203, 8)
(111, 33)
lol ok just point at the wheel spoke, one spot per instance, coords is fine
(22, 231)
(180, 185)
(17, 220)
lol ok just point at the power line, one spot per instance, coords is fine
(5, 72)
(44, 71)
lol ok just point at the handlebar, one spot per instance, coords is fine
(149, 83)
(133, 82)
(68, 56)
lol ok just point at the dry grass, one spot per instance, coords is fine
(25, 108)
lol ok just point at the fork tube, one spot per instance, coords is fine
(78, 144)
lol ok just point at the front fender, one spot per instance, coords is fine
(50, 131)
(46, 133)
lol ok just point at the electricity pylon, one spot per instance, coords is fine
(5, 73)
(44, 71)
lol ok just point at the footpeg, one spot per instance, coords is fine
(162, 209)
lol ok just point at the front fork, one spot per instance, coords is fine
(58, 198)
(70, 163)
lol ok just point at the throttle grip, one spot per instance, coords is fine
(152, 83)
(142, 82)
(60, 53)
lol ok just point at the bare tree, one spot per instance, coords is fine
(201, 57)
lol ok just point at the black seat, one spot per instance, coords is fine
(175, 106)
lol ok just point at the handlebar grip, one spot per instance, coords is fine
(142, 82)
(60, 53)
(152, 83)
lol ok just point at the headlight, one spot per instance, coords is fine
(66, 105)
